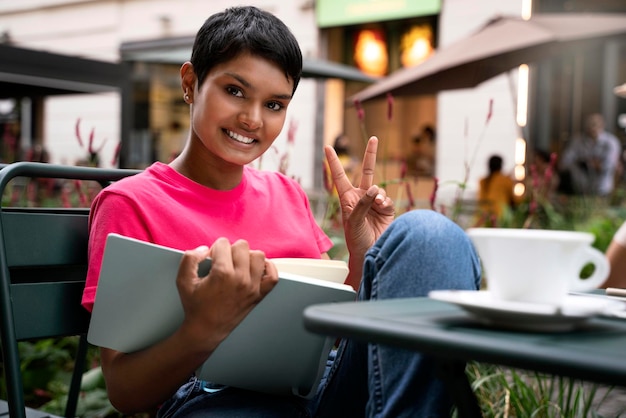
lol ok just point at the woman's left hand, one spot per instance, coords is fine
(366, 210)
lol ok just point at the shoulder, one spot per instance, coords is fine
(144, 183)
(612, 139)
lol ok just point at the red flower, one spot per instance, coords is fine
(433, 194)
(291, 132)
(116, 154)
(78, 186)
(359, 110)
(411, 201)
(403, 169)
(490, 113)
(77, 130)
(91, 136)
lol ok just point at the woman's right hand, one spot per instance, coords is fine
(214, 305)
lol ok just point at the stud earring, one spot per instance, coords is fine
(186, 96)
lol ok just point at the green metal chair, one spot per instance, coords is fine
(43, 264)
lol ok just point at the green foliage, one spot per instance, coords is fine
(504, 392)
(93, 402)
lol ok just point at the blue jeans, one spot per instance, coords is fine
(421, 251)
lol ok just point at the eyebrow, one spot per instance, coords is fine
(248, 85)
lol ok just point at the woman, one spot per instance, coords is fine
(244, 69)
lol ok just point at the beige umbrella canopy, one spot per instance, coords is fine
(502, 44)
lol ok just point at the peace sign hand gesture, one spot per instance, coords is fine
(366, 210)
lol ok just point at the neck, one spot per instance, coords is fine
(207, 173)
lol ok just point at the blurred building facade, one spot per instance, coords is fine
(153, 38)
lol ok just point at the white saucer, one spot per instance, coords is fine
(527, 316)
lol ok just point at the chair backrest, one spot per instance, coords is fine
(43, 264)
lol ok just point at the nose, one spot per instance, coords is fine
(251, 117)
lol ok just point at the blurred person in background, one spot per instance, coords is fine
(421, 160)
(495, 192)
(591, 161)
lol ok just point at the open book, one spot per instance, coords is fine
(137, 305)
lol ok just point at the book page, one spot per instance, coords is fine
(329, 270)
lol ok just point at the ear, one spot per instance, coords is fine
(188, 81)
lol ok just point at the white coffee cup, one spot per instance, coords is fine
(540, 266)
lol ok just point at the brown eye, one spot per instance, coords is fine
(234, 91)
(276, 106)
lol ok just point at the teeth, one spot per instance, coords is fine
(239, 138)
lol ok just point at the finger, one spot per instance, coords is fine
(240, 251)
(258, 267)
(338, 174)
(369, 164)
(381, 197)
(270, 278)
(188, 268)
(221, 254)
(364, 204)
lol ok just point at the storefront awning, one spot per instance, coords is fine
(178, 50)
(34, 73)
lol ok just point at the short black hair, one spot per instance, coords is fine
(237, 30)
(495, 163)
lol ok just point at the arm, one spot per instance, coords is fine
(616, 253)
(570, 155)
(213, 305)
(366, 210)
(612, 156)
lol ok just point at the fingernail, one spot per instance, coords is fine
(202, 248)
(372, 191)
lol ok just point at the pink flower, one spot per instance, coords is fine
(433, 194)
(291, 132)
(283, 164)
(534, 175)
(409, 194)
(65, 198)
(116, 154)
(490, 113)
(77, 130)
(403, 169)
(78, 186)
(359, 110)
(91, 136)
(553, 158)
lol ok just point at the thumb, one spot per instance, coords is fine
(188, 269)
(364, 204)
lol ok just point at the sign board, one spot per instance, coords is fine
(350, 12)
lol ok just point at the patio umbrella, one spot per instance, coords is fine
(502, 44)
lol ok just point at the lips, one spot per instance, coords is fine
(239, 138)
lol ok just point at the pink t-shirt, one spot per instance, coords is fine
(159, 205)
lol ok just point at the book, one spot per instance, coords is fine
(137, 305)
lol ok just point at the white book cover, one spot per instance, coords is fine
(137, 305)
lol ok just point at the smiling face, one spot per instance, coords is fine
(238, 111)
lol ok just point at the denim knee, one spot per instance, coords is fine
(421, 251)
